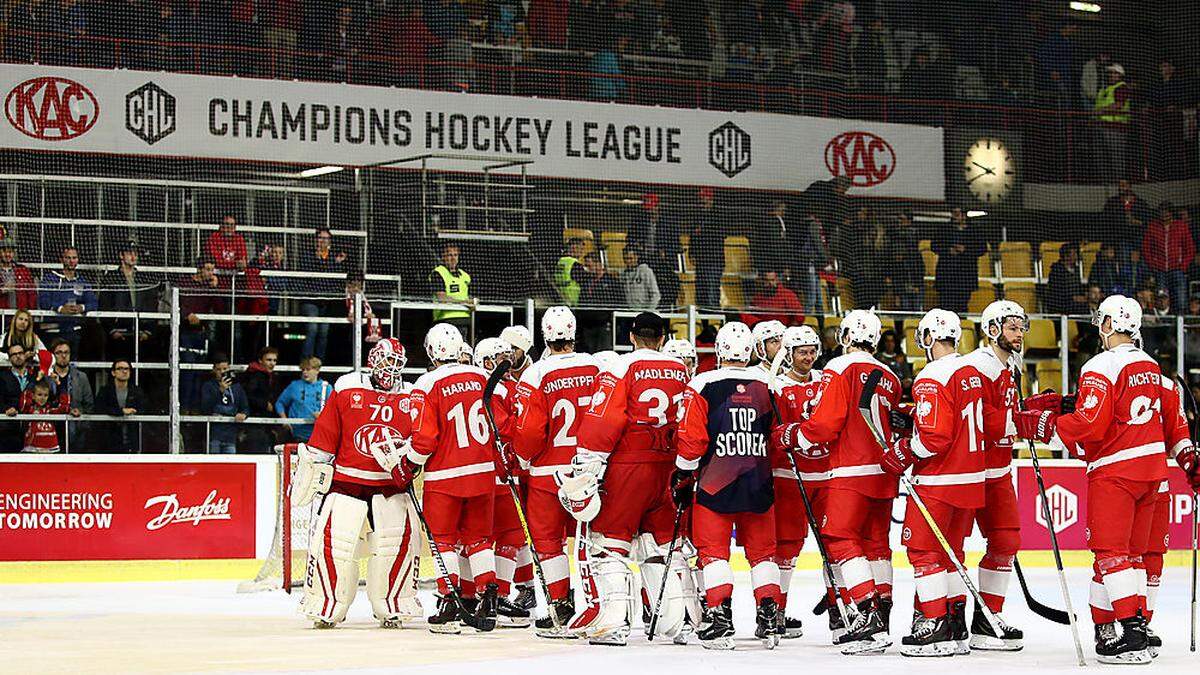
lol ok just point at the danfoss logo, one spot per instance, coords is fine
(213, 508)
(51, 108)
(863, 157)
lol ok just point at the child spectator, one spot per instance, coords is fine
(41, 436)
(222, 396)
(304, 398)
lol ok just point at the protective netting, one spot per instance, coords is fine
(1068, 170)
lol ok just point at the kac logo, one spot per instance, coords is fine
(729, 149)
(51, 108)
(861, 156)
(1064, 508)
(150, 113)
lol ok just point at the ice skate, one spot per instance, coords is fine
(767, 619)
(716, 628)
(983, 638)
(930, 638)
(1130, 647)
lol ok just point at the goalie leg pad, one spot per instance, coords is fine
(331, 579)
(392, 566)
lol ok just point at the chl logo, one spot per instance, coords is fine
(861, 156)
(729, 149)
(150, 113)
(1064, 508)
(51, 108)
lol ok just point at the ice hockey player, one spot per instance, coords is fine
(684, 351)
(367, 410)
(551, 399)
(946, 456)
(1126, 420)
(452, 443)
(723, 463)
(521, 341)
(1004, 325)
(625, 444)
(507, 533)
(795, 393)
(858, 500)
(768, 336)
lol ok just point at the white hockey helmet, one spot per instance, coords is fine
(518, 337)
(443, 343)
(558, 323)
(799, 336)
(491, 349)
(861, 326)
(684, 351)
(735, 342)
(763, 331)
(994, 315)
(936, 325)
(606, 359)
(1126, 315)
(386, 361)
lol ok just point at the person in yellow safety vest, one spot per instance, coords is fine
(451, 284)
(1112, 113)
(569, 272)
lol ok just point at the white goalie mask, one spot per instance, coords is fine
(558, 323)
(735, 342)
(763, 331)
(443, 343)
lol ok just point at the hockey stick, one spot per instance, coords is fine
(1185, 394)
(489, 389)
(826, 566)
(662, 587)
(1062, 574)
(864, 409)
(443, 571)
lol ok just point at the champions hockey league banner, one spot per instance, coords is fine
(173, 115)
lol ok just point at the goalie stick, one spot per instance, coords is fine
(1037, 607)
(826, 566)
(1185, 394)
(864, 409)
(489, 389)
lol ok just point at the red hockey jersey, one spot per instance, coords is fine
(1127, 417)
(354, 417)
(796, 401)
(1000, 432)
(950, 399)
(451, 437)
(635, 409)
(552, 397)
(854, 454)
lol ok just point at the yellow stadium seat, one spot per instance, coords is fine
(1087, 257)
(1024, 293)
(1048, 252)
(981, 297)
(1016, 260)
(1042, 335)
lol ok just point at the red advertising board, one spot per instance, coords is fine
(1066, 492)
(126, 511)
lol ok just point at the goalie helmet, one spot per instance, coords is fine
(861, 326)
(799, 336)
(937, 325)
(443, 343)
(518, 337)
(1125, 313)
(386, 361)
(997, 313)
(735, 342)
(493, 350)
(763, 331)
(558, 323)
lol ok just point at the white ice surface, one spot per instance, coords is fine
(207, 627)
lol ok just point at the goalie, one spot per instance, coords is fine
(362, 513)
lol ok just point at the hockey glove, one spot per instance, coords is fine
(901, 419)
(898, 457)
(1190, 463)
(683, 487)
(1035, 425)
(1047, 400)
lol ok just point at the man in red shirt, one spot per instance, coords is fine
(226, 247)
(1168, 249)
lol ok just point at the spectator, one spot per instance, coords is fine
(282, 20)
(128, 289)
(70, 296)
(1124, 220)
(121, 398)
(1169, 250)
(905, 268)
(707, 246)
(639, 282)
(569, 274)
(1112, 117)
(17, 289)
(68, 379)
(21, 331)
(18, 376)
(226, 246)
(304, 398)
(40, 399)
(319, 290)
(657, 242)
(197, 296)
(1065, 293)
(450, 284)
(957, 273)
(774, 301)
(262, 386)
(221, 395)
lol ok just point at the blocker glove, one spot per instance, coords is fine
(898, 457)
(683, 487)
(1047, 400)
(1035, 425)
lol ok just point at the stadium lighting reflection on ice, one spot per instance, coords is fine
(320, 171)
